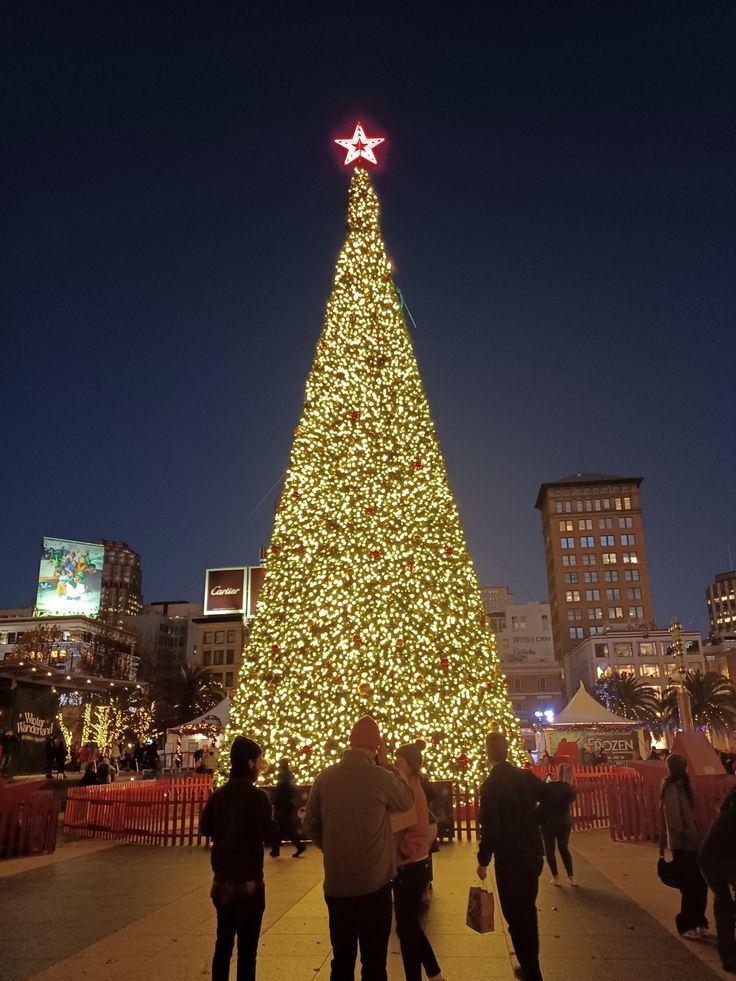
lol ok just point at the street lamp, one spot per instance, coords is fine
(683, 698)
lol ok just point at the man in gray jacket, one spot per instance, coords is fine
(348, 818)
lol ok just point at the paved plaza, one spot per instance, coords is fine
(104, 911)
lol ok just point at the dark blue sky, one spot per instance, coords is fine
(558, 200)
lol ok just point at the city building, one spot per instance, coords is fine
(646, 654)
(230, 600)
(721, 599)
(524, 644)
(121, 592)
(596, 557)
(166, 637)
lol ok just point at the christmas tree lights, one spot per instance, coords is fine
(370, 602)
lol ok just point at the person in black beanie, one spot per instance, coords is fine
(237, 818)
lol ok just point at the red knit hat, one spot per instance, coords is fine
(365, 734)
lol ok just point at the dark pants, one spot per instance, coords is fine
(242, 918)
(694, 891)
(364, 920)
(416, 951)
(517, 883)
(724, 910)
(557, 833)
(287, 831)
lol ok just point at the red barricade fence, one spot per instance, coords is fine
(29, 819)
(157, 812)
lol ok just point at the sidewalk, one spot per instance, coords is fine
(128, 913)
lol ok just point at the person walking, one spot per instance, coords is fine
(509, 802)
(413, 874)
(718, 865)
(556, 822)
(683, 838)
(285, 811)
(237, 817)
(347, 817)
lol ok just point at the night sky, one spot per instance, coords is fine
(558, 201)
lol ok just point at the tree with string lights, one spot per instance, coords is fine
(370, 603)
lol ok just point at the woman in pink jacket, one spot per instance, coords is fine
(413, 875)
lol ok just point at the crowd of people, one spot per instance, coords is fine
(372, 820)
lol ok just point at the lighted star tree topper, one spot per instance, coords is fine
(370, 602)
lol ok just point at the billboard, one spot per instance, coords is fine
(225, 590)
(70, 578)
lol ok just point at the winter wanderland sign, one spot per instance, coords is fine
(370, 602)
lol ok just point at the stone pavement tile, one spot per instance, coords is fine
(18, 969)
(286, 969)
(307, 947)
(296, 924)
(489, 945)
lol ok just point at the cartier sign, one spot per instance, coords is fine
(226, 590)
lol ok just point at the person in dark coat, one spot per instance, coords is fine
(9, 746)
(60, 757)
(285, 799)
(237, 818)
(50, 756)
(556, 822)
(683, 838)
(509, 802)
(718, 864)
(89, 777)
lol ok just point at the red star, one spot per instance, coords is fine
(360, 146)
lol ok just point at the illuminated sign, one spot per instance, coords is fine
(69, 579)
(226, 590)
(360, 147)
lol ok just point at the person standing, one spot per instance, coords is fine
(9, 746)
(718, 865)
(285, 811)
(60, 757)
(237, 818)
(683, 838)
(556, 822)
(413, 874)
(347, 817)
(509, 802)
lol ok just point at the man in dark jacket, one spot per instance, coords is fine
(718, 865)
(509, 800)
(237, 818)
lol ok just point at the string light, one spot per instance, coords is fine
(370, 602)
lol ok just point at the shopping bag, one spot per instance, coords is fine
(480, 910)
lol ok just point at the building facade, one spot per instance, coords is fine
(121, 592)
(166, 636)
(721, 599)
(645, 654)
(524, 644)
(596, 558)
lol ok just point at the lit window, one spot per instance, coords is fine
(572, 596)
(595, 613)
(636, 612)
(615, 613)
(566, 525)
(609, 558)
(647, 648)
(617, 503)
(584, 524)
(623, 650)
(631, 557)
(627, 504)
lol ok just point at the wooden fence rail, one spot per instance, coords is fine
(160, 812)
(29, 820)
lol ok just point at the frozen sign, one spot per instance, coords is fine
(225, 590)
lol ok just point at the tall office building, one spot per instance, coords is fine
(121, 591)
(721, 598)
(596, 557)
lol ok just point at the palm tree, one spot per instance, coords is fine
(629, 697)
(197, 691)
(712, 698)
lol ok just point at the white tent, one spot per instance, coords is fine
(192, 735)
(584, 710)
(216, 716)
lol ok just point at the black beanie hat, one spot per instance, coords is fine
(412, 754)
(241, 752)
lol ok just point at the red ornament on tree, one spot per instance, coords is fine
(355, 416)
(297, 495)
(375, 554)
(356, 640)
(444, 663)
(307, 750)
(418, 464)
(276, 649)
(462, 761)
(449, 550)
(371, 510)
(275, 549)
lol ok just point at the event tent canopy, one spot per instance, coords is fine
(213, 718)
(584, 710)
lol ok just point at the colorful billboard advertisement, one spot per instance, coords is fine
(70, 578)
(225, 591)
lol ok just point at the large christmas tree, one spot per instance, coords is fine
(370, 602)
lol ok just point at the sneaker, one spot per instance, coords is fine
(571, 880)
(273, 854)
(299, 851)
(691, 934)
(555, 880)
